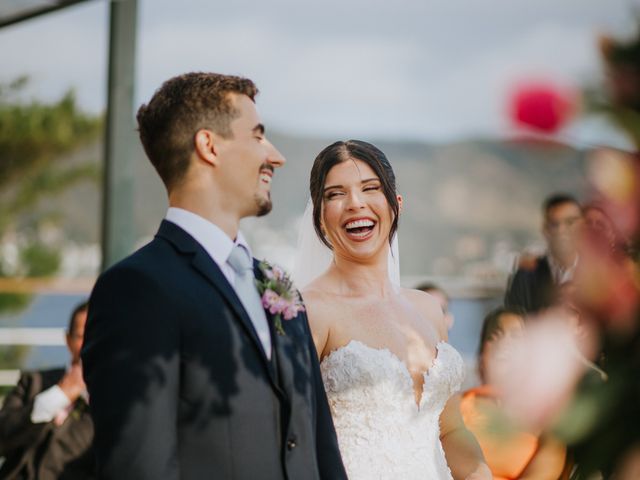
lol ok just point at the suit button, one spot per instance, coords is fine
(291, 444)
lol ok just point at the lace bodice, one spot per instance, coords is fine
(382, 432)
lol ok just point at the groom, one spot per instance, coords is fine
(188, 378)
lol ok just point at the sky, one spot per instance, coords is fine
(429, 70)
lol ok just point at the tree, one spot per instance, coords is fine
(36, 140)
(35, 137)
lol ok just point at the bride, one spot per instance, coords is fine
(387, 369)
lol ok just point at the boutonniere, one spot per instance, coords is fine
(279, 296)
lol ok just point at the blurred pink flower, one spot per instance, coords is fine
(269, 298)
(542, 107)
(292, 310)
(615, 176)
(279, 297)
(607, 286)
(278, 273)
(537, 372)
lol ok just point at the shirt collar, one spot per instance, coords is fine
(559, 273)
(211, 237)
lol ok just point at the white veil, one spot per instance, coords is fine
(313, 257)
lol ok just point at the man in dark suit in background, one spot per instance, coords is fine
(46, 431)
(187, 375)
(536, 283)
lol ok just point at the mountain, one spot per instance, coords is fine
(468, 206)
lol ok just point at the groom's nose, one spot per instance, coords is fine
(274, 158)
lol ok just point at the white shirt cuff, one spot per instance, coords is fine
(48, 403)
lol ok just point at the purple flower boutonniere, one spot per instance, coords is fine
(279, 296)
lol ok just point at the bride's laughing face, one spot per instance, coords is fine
(356, 217)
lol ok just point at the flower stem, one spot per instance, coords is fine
(277, 322)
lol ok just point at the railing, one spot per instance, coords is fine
(37, 336)
(27, 336)
(457, 287)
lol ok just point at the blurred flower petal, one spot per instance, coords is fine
(536, 373)
(542, 107)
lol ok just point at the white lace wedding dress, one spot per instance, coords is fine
(382, 432)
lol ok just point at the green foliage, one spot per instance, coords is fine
(12, 357)
(13, 302)
(600, 424)
(36, 141)
(626, 119)
(40, 260)
(620, 99)
(34, 134)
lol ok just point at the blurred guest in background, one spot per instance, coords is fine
(598, 223)
(442, 297)
(535, 283)
(46, 431)
(510, 452)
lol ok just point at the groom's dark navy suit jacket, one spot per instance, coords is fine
(180, 387)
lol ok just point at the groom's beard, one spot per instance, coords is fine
(264, 205)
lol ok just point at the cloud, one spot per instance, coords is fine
(60, 51)
(435, 70)
(469, 98)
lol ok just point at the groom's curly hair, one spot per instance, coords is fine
(342, 151)
(178, 109)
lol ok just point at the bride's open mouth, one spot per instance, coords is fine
(360, 229)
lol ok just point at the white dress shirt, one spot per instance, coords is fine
(218, 245)
(48, 403)
(561, 274)
(51, 402)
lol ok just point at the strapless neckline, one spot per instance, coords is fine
(395, 358)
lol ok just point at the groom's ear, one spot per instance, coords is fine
(205, 145)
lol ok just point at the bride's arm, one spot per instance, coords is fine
(461, 449)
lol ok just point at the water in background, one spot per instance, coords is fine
(54, 311)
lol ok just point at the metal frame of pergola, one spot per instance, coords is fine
(117, 237)
(117, 210)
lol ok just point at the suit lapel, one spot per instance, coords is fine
(284, 348)
(204, 264)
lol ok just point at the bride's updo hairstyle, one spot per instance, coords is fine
(342, 151)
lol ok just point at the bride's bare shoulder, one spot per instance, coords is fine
(429, 306)
(318, 298)
(317, 295)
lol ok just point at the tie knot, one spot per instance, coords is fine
(240, 260)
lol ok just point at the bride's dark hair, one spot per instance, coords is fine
(342, 151)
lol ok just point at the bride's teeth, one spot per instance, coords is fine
(360, 224)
